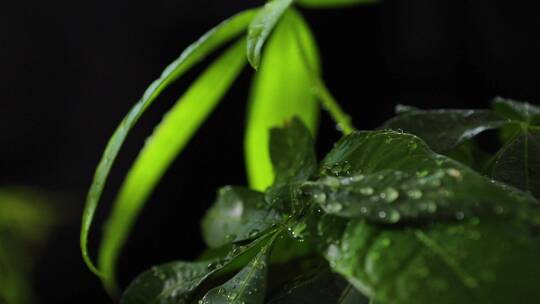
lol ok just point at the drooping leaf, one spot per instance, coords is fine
(247, 286)
(281, 90)
(333, 3)
(167, 141)
(443, 130)
(261, 27)
(473, 261)
(179, 282)
(192, 55)
(239, 214)
(174, 282)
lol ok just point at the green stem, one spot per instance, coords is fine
(320, 90)
(332, 106)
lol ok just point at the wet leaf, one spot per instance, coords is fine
(280, 91)
(435, 263)
(247, 286)
(261, 27)
(443, 130)
(238, 214)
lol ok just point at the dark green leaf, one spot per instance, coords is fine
(174, 282)
(261, 27)
(280, 91)
(333, 3)
(238, 214)
(292, 152)
(519, 111)
(248, 286)
(472, 261)
(443, 130)
(390, 177)
(518, 162)
(191, 56)
(319, 286)
(293, 158)
(167, 141)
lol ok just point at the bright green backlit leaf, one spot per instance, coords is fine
(192, 55)
(261, 27)
(333, 3)
(168, 139)
(281, 90)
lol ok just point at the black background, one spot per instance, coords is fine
(70, 71)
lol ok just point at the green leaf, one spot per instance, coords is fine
(239, 214)
(192, 55)
(443, 130)
(261, 27)
(294, 161)
(281, 90)
(390, 177)
(318, 286)
(518, 162)
(174, 282)
(179, 282)
(292, 152)
(519, 111)
(167, 141)
(333, 3)
(247, 286)
(391, 196)
(437, 263)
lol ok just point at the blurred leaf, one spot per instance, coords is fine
(26, 220)
(192, 55)
(247, 286)
(519, 111)
(261, 27)
(438, 263)
(444, 130)
(333, 3)
(237, 215)
(281, 90)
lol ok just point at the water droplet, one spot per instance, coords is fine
(319, 197)
(389, 194)
(366, 191)
(414, 193)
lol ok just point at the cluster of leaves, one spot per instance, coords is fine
(382, 218)
(25, 223)
(287, 83)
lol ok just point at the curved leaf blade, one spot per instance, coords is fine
(261, 27)
(281, 90)
(167, 141)
(192, 55)
(239, 214)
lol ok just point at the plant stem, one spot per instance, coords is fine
(329, 103)
(320, 90)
